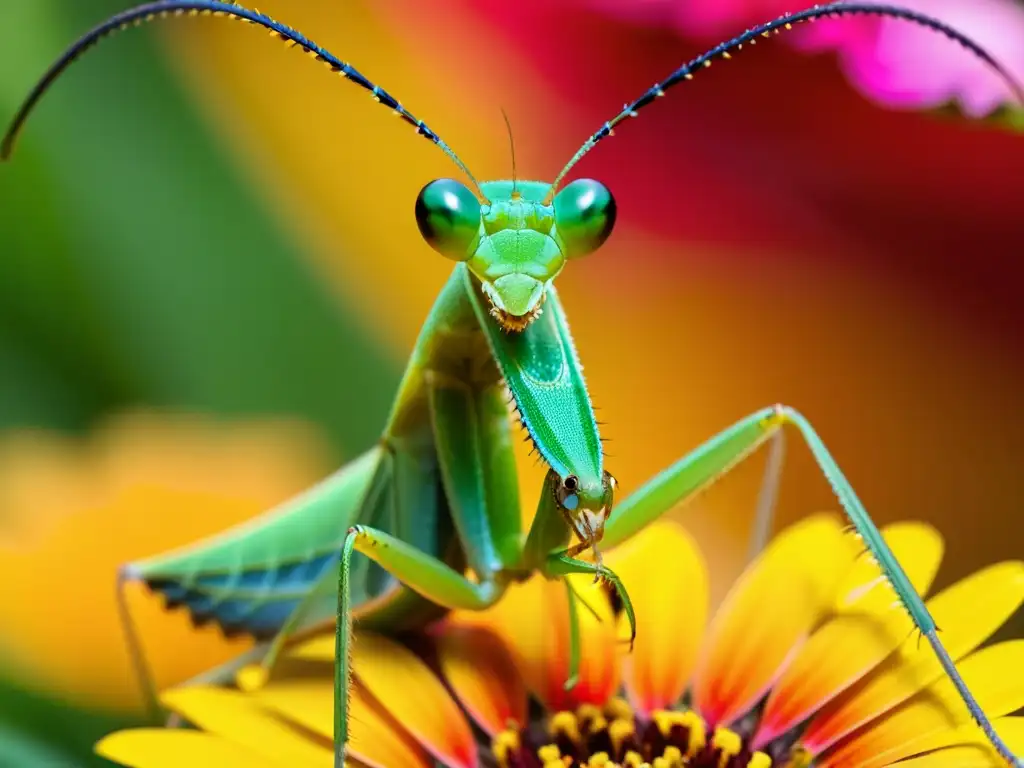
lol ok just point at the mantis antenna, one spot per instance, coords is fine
(512, 149)
(165, 8)
(723, 51)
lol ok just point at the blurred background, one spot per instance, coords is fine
(210, 277)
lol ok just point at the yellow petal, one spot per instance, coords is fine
(312, 708)
(240, 719)
(174, 748)
(956, 757)
(533, 620)
(992, 674)
(967, 613)
(767, 615)
(481, 671)
(868, 628)
(375, 737)
(967, 747)
(320, 647)
(84, 497)
(667, 580)
(407, 688)
(918, 547)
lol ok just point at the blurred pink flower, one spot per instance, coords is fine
(896, 63)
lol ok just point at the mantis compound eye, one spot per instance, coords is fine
(566, 493)
(448, 215)
(584, 216)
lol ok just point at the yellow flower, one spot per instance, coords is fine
(806, 662)
(72, 511)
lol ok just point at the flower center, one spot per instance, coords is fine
(614, 737)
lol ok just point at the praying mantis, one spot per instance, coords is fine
(433, 507)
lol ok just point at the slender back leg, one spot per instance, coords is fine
(710, 461)
(136, 655)
(768, 495)
(423, 573)
(477, 472)
(218, 676)
(259, 674)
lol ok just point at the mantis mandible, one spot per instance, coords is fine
(438, 496)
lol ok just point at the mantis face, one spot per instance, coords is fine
(585, 505)
(515, 243)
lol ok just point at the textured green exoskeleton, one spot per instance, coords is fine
(437, 498)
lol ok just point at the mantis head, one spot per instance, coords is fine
(518, 240)
(585, 503)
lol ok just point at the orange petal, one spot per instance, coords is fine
(967, 612)
(991, 674)
(375, 738)
(767, 615)
(240, 719)
(483, 674)
(867, 630)
(407, 688)
(173, 748)
(667, 580)
(533, 620)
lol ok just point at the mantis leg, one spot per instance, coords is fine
(768, 495)
(422, 573)
(289, 628)
(135, 653)
(561, 564)
(717, 456)
(574, 638)
(473, 440)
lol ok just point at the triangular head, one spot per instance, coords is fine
(516, 242)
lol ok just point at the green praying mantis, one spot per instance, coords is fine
(433, 507)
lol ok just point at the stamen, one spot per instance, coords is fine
(505, 744)
(565, 725)
(551, 756)
(666, 720)
(672, 758)
(696, 730)
(618, 708)
(728, 745)
(614, 737)
(619, 732)
(587, 713)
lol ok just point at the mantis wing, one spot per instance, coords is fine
(251, 578)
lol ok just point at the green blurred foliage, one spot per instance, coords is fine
(37, 732)
(138, 268)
